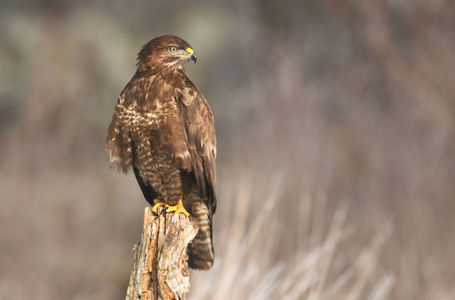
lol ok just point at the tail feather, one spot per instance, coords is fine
(200, 252)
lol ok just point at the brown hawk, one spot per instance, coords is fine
(163, 128)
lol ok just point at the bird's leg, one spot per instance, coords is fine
(179, 208)
(158, 203)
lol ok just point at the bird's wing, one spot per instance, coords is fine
(119, 140)
(198, 125)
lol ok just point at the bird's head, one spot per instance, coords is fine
(164, 52)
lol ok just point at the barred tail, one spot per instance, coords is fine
(200, 252)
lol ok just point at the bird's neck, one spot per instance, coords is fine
(167, 71)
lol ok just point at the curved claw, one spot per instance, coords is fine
(179, 208)
(158, 203)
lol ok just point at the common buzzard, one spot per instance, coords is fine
(163, 128)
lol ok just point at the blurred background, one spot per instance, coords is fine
(335, 125)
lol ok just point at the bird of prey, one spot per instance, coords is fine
(163, 129)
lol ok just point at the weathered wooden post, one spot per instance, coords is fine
(160, 261)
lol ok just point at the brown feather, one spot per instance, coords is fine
(163, 128)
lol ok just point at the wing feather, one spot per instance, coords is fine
(118, 141)
(198, 125)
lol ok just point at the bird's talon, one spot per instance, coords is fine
(177, 209)
(158, 203)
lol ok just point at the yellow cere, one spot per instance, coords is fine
(189, 51)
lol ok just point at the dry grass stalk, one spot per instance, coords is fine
(160, 261)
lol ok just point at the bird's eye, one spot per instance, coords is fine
(173, 49)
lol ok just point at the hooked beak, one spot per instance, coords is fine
(191, 54)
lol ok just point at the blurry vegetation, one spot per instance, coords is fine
(335, 123)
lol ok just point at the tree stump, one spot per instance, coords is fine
(160, 261)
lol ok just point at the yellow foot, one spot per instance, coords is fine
(178, 208)
(158, 203)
